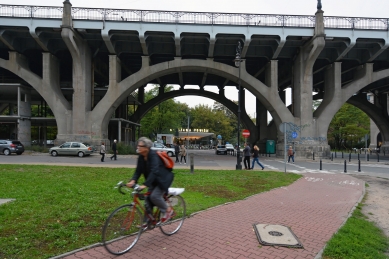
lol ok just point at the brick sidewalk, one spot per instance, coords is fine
(314, 207)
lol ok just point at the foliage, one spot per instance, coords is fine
(348, 127)
(358, 238)
(60, 209)
(162, 118)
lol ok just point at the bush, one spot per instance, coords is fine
(124, 149)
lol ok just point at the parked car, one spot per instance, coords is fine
(72, 149)
(230, 147)
(7, 147)
(221, 149)
(158, 146)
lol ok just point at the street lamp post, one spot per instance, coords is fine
(238, 60)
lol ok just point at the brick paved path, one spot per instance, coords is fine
(314, 207)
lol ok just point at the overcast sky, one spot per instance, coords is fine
(349, 8)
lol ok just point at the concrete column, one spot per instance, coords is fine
(305, 123)
(24, 112)
(120, 131)
(82, 78)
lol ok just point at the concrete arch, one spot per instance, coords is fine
(335, 95)
(48, 86)
(143, 109)
(374, 113)
(117, 91)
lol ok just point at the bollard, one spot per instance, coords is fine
(313, 155)
(335, 154)
(349, 157)
(359, 165)
(332, 157)
(342, 154)
(378, 157)
(321, 165)
(345, 166)
(367, 157)
(358, 156)
(191, 157)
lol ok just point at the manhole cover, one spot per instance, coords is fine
(276, 235)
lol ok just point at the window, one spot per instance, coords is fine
(65, 145)
(75, 145)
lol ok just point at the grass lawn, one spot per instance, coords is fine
(59, 209)
(357, 239)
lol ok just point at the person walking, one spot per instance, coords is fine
(290, 154)
(102, 151)
(183, 154)
(246, 154)
(158, 179)
(176, 151)
(114, 150)
(256, 157)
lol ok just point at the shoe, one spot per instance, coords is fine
(263, 168)
(166, 216)
(180, 163)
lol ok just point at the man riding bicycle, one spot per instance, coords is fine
(158, 178)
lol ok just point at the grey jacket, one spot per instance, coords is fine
(246, 151)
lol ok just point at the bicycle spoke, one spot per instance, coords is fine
(122, 229)
(170, 227)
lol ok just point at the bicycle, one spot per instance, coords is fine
(125, 224)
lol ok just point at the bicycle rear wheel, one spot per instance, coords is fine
(171, 226)
(122, 229)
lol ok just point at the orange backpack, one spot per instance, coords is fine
(167, 161)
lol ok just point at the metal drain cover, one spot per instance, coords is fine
(276, 235)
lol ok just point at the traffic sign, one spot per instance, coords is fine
(246, 133)
(294, 134)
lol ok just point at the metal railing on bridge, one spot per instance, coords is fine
(206, 18)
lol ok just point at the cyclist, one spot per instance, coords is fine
(158, 178)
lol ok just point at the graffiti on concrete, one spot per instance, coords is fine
(291, 128)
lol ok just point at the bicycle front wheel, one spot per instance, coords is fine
(171, 226)
(122, 229)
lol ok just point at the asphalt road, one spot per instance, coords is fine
(208, 159)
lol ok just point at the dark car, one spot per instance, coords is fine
(7, 147)
(221, 149)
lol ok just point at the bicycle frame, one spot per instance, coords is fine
(153, 217)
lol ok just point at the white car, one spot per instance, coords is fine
(158, 146)
(230, 147)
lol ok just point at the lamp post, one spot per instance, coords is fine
(238, 60)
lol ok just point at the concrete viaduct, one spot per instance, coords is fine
(86, 64)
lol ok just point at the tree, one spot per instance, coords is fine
(164, 117)
(348, 127)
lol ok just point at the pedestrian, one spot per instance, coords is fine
(290, 154)
(256, 157)
(158, 179)
(102, 151)
(183, 154)
(114, 150)
(246, 154)
(176, 151)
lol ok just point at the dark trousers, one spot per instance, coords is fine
(246, 162)
(114, 155)
(184, 158)
(102, 157)
(177, 157)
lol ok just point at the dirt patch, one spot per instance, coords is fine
(376, 206)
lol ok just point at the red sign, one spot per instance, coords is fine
(246, 133)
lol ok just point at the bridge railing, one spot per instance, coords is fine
(148, 16)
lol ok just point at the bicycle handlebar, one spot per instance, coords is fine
(120, 185)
